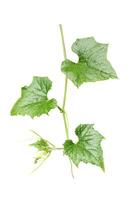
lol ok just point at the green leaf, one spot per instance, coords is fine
(88, 148)
(44, 149)
(34, 100)
(92, 65)
(41, 145)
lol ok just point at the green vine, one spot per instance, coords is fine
(92, 66)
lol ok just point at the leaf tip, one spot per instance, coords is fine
(102, 167)
(12, 112)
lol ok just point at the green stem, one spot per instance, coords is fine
(58, 148)
(65, 87)
(66, 127)
(65, 118)
(63, 42)
(65, 93)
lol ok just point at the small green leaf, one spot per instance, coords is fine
(41, 145)
(88, 148)
(44, 149)
(34, 100)
(92, 65)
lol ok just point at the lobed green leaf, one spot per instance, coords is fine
(92, 65)
(88, 148)
(34, 100)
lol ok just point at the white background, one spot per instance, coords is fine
(30, 45)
